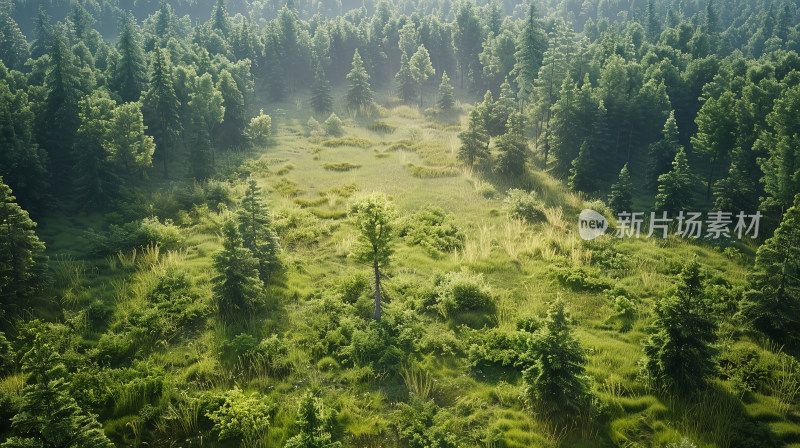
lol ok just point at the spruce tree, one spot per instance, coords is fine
(421, 69)
(321, 98)
(446, 99)
(97, 181)
(220, 21)
(675, 188)
(737, 191)
(716, 132)
(21, 251)
(679, 352)
(49, 416)
(161, 109)
(315, 425)
(530, 51)
(772, 301)
(556, 383)
(406, 86)
(512, 148)
(374, 218)
(359, 93)
(621, 197)
(13, 45)
(255, 226)
(206, 111)
(231, 131)
(237, 285)
(474, 141)
(662, 153)
(130, 74)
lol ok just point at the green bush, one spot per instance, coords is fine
(241, 417)
(493, 346)
(333, 126)
(433, 229)
(347, 141)
(135, 234)
(524, 205)
(463, 291)
(344, 166)
(351, 288)
(579, 279)
(381, 127)
(425, 172)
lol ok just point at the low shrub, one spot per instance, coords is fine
(433, 229)
(344, 191)
(297, 227)
(136, 234)
(328, 214)
(433, 171)
(344, 166)
(382, 127)
(525, 205)
(496, 347)
(347, 141)
(402, 145)
(579, 279)
(463, 291)
(287, 187)
(310, 202)
(333, 126)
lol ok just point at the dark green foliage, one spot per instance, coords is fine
(680, 350)
(621, 197)
(230, 133)
(432, 228)
(675, 187)
(781, 167)
(315, 423)
(406, 86)
(13, 46)
(237, 285)
(663, 152)
(580, 279)
(359, 93)
(49, 416)
(8, 358)
(135, 235)
(474, 141)
(130, 73)
(513, 148)
(495, 347)
(772, 302)
(463, 291)
(556, 383)
(419, 426)
(161, 109)
(445, 99)
(255, 226)
(20, 251)
(321, 98)
(524, 205)
(97, 181)
(530, 51)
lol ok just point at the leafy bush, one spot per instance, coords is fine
(351, 288)
(310, 203)
(287, 187)
(524, 205)
(328, 214)
(496, 347)
(344, 191)
(241, 417)
(135, 234)
(433, 229)
(344, 166)
(298, 227)
(403, 145)
(462, 291)
(176, 299)
(579, 279)
(381, 127)
(333, 126)
(260, 129)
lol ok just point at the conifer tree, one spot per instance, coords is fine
(679, 352)
(231, 131)
(161, 109)
(130, 73)
(206, 111)
(314, 423)
(716, 132)
(421, 69)
(772, 301)
(220, 19)
(359, 93)
(587, 169)
(333, 126)
(97, 181)
(49, 416)
(44, 33)
(237, 285)
(126, 141)
(321, 98)
(675, 188)
(255, 225)
(512, 148)
(556, 382)
(781, 166)
(662, 153)
(474, 141)
(406, 86)
(652, 22)
(621, 197)
(20, 251)
(737, 191)
(530, 51)
(446, 99)
(14, 49)
(374, 218)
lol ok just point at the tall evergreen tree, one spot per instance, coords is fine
(231, 130)
(237, 285)
(14, 49)
(255, 226)
(130, 74)
(474, 141)
(96, 181)
(530, 51)
(49, 416)
(374, 218)
(662, 153)
(321, 98)
(556, 382)
(772, 301)
(653, 23)
(588, 168)
(359, 93)
(21, 251)
(716, 132)
(161, 109)
(43, 32)
(621, 197)
(421, 69)
(781, 166)
(679, 352)
(512, 148)
(467, 38)
(406, 86)
(220, 20)
(675, 187)
(314, 424)
(207, 110)
(126, 141)
(445, 98)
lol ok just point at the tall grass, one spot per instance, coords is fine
(417, 380)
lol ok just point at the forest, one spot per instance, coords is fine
(400, 223)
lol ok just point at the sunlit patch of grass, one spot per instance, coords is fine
(343, 166)
(433, 171)
(347, 141)
(287, 188)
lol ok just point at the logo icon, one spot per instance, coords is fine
(591, 224)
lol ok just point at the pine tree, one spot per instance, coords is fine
(781, 166)
(14, 49)
(421, 69)
(44, 33)
(49, 416)
(255, 226)
(512, 148)
(621, 197)
(737, 191)
(675, 188)
(96, 181)
(572, 123)
(716, 132)
(587, 169)
(206, 110)
(374, 218)
(467, 38)
(556, 382)
(406, 86)
(662, 153)
(130, 74)
(314, 424)
(359, 93)
(321, 98)
(126, 141)
(446, 100)
(21, 251)
(530, 51)
(231, 131)
(652, 22)
(772, 301)
(220, 19)
(333, 126)
(679, 352)
(237, 285)
(161, 109)
(474, 141)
